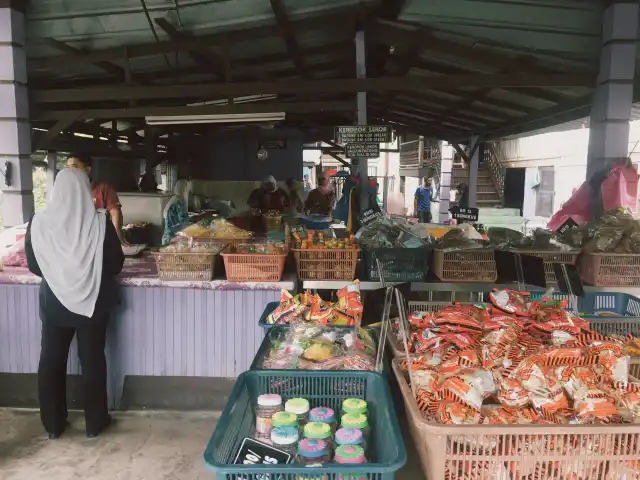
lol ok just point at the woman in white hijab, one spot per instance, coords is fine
(76, 251)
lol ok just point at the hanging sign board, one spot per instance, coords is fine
(568, 224)
(362, 150)
(468, 214)
(363, 133)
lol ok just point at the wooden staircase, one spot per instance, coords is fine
(487, 195)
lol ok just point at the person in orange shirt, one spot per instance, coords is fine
(104, 195)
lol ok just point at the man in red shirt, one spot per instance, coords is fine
(104, 196)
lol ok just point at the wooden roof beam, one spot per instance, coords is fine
(293, 87)
(289, 38)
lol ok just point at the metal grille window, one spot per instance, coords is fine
(544, 199)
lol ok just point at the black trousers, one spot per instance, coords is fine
(52, 391)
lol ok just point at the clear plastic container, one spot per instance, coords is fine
(354, 405)
(350, 436)
(324, 415)
(350, 455)
(319, 431)
(267, 405)
(285, 439)
(313, 452)
(299, 407)
(358, 421)
(284, 419)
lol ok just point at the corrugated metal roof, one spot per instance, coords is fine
(423, 38)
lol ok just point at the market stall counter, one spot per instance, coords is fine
(161, 329)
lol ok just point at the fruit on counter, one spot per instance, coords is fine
(318, 241)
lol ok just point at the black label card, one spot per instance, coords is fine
(568, 224)
(468, 214)
(569, 280)
(297, 228)
(253, 452)
(370, 215)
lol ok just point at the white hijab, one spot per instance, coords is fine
(67, 238)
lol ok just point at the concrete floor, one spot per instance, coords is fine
(138, 446)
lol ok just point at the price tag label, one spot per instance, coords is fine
(253, 452)
(297, 229)
(468, 214)
(568, 224)
(370, 215)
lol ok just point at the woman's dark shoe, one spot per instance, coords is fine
(100, 430)
(55, 436)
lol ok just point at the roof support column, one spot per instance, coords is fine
(611, 110)
(15, 132)
(361, 72)
(474, 163)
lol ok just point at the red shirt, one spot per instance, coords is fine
(104, 196)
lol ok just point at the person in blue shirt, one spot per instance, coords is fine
(422, 201)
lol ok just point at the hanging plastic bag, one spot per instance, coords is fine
(620, 188)
(16, 256)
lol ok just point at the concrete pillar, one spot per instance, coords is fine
(15, 132)
(474, 162)
(361, 72)
(611, 110)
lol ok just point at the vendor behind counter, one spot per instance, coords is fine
(269, 196)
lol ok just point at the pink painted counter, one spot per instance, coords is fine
(161, 329)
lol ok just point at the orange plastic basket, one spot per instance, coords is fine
(610, 269)
(254, 267)
(541, 452)
(338, 264)
(477, 265)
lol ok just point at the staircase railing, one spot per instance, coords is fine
(496, 168)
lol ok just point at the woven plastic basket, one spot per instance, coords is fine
(549, 258)
(541, 452)
(470, 266)
(610, 269)
(398, 264)
(185, 266)
(339, 264)
(254, 267)
(385, 453)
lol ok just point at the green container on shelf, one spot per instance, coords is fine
(386, 453)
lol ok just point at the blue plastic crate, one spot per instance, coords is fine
(318, 222)
(598, 303)
(386, 450)
(280, 329)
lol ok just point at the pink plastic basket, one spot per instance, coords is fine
(540, 452)
(254, 267)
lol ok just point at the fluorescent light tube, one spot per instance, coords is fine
(222, 118)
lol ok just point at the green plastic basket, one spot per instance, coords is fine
(386, 451)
